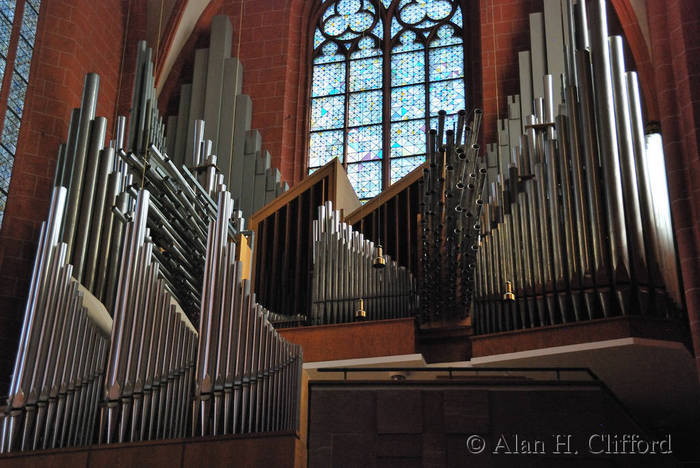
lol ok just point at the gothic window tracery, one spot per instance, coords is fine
(381, 71)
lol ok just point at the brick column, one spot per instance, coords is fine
(674, 27)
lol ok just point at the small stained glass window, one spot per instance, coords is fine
(382, 69)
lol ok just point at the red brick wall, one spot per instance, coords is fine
(74, 37)
(505, 31)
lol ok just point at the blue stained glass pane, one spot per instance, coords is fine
(446, 63)
(447, 96)
(7, 7)
(6, 162)
(318, 38)
(365, 143)
(407, 68)
(327, 113)
(366, 178)
(23, 60)
(378, 30)
(445, 37)
(328, 79)
(2, 67)
(10, 131)
(35, 4)
(386, 3)
(407, 42)
(18, 89)
(407, 103)
(365, 108)
(395, 27)
(457, 18)
(365, 74)
(324, 146)
(353, 16)
(5, 32)
(329, 54)
(450, 122)
(402, 166)
(424, 12)
(29, 20)
(408, 138)
(368, 48)
(313, 169)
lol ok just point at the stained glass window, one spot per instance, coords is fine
(18, 49)
(382, 69)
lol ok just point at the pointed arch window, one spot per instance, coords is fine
(381, 71)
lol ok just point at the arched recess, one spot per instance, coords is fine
(272, 54)
(181, 24)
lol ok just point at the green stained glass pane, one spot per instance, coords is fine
(402, 166)
(408, 138)
(366, 74)
(327, 113)
(366, 178)
(407, 102)
(365, 108)
(446, 63)
(329, 79)
(365, 143)
(324, 146)
(407, 68)
(447, 96)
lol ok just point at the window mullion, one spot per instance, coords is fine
(386, 105)
(426, 65)
(10, 60)
(346, 117)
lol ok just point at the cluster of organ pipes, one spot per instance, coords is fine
(152, 350)
(60, 361)
(215, 96)
(452, 197)
(108, 348)
(346, 283)
(577, 224)
(248, 377)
